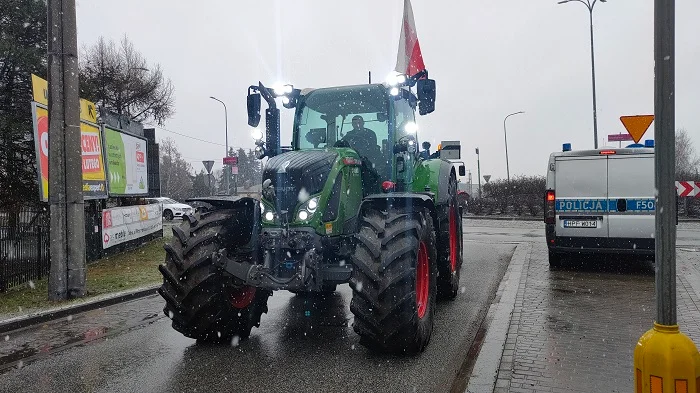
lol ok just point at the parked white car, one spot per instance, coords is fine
(172, 208)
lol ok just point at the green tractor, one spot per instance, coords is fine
(352, 200)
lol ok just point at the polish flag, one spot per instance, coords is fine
(410, 59)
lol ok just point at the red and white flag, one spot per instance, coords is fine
(410, 59)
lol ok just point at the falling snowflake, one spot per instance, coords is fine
(20, 364)
(170, 314)
(7, 338)
(69, 318)
(463, 289)
(235, 341)
(303, 195)
(358, 287)
(31, 284)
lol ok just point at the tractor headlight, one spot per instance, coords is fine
(313, 204)
(257, 134)
(303, 215)
(394, 91)
(269, 216)
(307, 209)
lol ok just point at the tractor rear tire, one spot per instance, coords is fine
(203, 302)
(450, 253)
(394, 280)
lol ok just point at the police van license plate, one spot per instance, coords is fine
(580, 224)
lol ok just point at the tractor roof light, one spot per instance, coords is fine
(395, 79)
(281, 89)
(257, 134)
(394, 91)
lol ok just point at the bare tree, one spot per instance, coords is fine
(175, 172)
(118, 78)
(687, 161)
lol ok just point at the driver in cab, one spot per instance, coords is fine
(360, 139)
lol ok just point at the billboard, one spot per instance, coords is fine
(122, 224)
(91, 151)
(127, 168)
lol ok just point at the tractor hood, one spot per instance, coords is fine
(294, 171)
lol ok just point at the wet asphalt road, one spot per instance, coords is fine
(303, 344)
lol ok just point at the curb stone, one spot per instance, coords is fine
(64, 311)
(483, 376)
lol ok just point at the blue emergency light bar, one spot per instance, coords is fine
(566, 147)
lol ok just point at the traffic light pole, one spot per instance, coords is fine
(665, 360)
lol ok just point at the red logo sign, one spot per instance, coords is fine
(106, 238)
(140, 157)
(106, 219)
(230, 160)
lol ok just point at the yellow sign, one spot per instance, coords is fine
(40, 92)
(637, 125)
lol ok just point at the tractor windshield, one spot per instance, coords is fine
(354, 117)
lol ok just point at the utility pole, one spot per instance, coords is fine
(664, 358)
(66, 206)
(478, 168)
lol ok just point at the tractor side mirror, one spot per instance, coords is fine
(426, 145)
(426, 96)
(254, 105)
(462, 170)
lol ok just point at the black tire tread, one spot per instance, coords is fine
(384, 283)
(197, 293)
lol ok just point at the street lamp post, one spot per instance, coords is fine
(478, 168)
(590, 4)
(227, 174)
(505, 136)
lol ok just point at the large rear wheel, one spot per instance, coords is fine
(202, 301)
(450, 254)
(394, 280)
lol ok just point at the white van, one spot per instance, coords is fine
(600, 201)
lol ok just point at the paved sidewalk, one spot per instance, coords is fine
(574, 329)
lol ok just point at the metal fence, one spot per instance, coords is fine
(24, 245)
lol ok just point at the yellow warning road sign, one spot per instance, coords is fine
(637, 125)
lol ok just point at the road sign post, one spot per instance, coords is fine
(665, 360)
(208, 165)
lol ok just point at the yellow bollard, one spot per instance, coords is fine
(666, 361)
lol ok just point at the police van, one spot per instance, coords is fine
(600, 201)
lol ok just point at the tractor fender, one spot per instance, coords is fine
(223, 202)
(247, 218)
(404, 200)
(434, 175)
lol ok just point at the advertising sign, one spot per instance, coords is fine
(126, 163)
(122, 224)
(91, 151)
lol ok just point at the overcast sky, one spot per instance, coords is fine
(489, 59)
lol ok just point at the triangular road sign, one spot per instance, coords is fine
(637, 125)
(208, 165)
(487, 178)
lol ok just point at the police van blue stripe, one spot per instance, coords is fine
(601, 205)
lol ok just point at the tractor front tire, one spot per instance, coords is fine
(450, 253)
(201, 300)
(394, 280)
